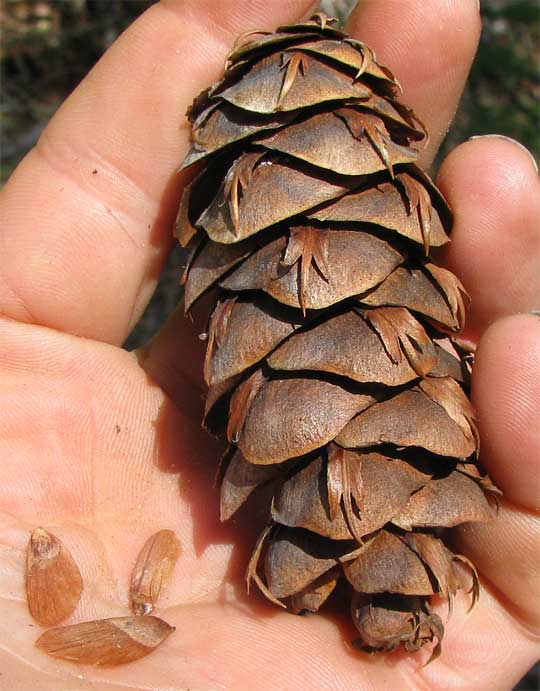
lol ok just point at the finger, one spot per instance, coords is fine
(430, 45)
(86, 218)
(505, 552)
(482, 650)
(494, 190)
(317, 651)
(506, 393)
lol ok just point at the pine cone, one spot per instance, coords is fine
(330, 358)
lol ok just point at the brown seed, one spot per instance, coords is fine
(107, 642)
(152, 569)
(53, 581)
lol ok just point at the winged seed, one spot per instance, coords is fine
(105, 642)
(53, 581)
(152, 570)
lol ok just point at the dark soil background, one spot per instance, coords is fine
(47, 47)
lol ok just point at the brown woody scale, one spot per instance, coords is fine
(330, 358)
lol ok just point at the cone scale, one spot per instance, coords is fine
(330, 361)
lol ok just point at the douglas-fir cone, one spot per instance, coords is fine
(330, 359)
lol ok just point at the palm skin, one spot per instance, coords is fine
(104, 447)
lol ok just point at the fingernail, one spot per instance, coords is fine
(512, 141)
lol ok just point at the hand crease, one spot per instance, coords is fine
(59, 161)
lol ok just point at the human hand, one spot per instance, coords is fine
(104, 447)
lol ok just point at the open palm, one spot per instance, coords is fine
(104, 447)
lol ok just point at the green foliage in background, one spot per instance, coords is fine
(503, 90)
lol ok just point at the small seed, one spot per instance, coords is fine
(152, 569)
(107, 642)
(53, 581)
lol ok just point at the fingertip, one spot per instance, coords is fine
(508, 140)
(506, 394)
(498, 165)
(494, 191)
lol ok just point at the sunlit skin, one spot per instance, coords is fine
(104, 447)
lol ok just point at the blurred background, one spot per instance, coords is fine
(47, 47)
